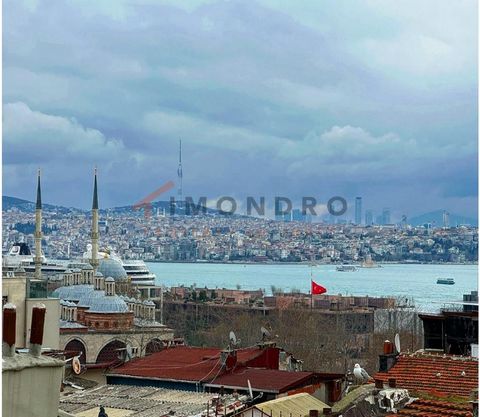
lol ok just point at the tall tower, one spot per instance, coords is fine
(94, 261)
(38, 231)
(446, 219)
(358, 211)
(180, 174)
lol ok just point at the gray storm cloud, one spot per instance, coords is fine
(373, 99)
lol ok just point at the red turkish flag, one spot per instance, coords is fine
(317, 289)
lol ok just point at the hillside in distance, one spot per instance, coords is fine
(160, 207)
(436, 219)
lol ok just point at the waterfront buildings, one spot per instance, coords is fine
(242, 239)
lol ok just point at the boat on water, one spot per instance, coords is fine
(346, 268)
(446, 281)
(20, 255)
(136, 269)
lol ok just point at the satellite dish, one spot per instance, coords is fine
(250, 389)
(397, 343)
(233, 338)
(76, 366)
(265, 333)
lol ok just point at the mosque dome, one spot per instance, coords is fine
(108, 304)
(72, 292)
(88, 299)
(112, 268)
(109, 279)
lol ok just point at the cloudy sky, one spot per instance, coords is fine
(376, 98)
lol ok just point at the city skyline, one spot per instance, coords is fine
(267, 100)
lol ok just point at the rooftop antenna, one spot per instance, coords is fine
(250, 389)
(129, 353)
(233, 339)
(265, 334)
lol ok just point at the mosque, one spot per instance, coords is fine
(102, 317)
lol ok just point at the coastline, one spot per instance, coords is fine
(359, 265)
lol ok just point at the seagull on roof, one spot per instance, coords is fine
(361, 375)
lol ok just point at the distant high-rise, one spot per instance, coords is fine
(180, 173)
(386, 216)
(298, 216)
(358, 210)
(368, 217)
(446, 219)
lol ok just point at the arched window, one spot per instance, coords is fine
(74, 348)
(155, 345)
(111, 352)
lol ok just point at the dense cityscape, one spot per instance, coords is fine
(242, 239)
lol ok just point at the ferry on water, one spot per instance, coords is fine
(136, 270)
(20, 255)
(346, 268)
(446, 281)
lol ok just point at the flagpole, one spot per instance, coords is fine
(311, 292)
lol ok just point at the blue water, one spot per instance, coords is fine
(412, 281)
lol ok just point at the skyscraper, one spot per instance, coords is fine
(446, 219)
(298, 216)
(386, 216)
(358, 210)
(368, 217)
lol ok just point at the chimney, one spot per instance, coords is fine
(392, 382)
(9, 329)
(327, 411)
(378, 384)
(388, 358)
(313, 413)
(387, 347)
(36, 332)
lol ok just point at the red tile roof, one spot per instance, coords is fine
(267, 380)
(434, 408)
(184, 363)
(440, 375)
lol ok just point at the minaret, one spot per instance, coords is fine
(94, 261)
(180, 175)
(38, 231)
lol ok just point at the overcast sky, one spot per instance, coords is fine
(314, 98)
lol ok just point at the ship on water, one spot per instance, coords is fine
(20, 256)
(136, 269)
(446, 281)
(346, 268)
